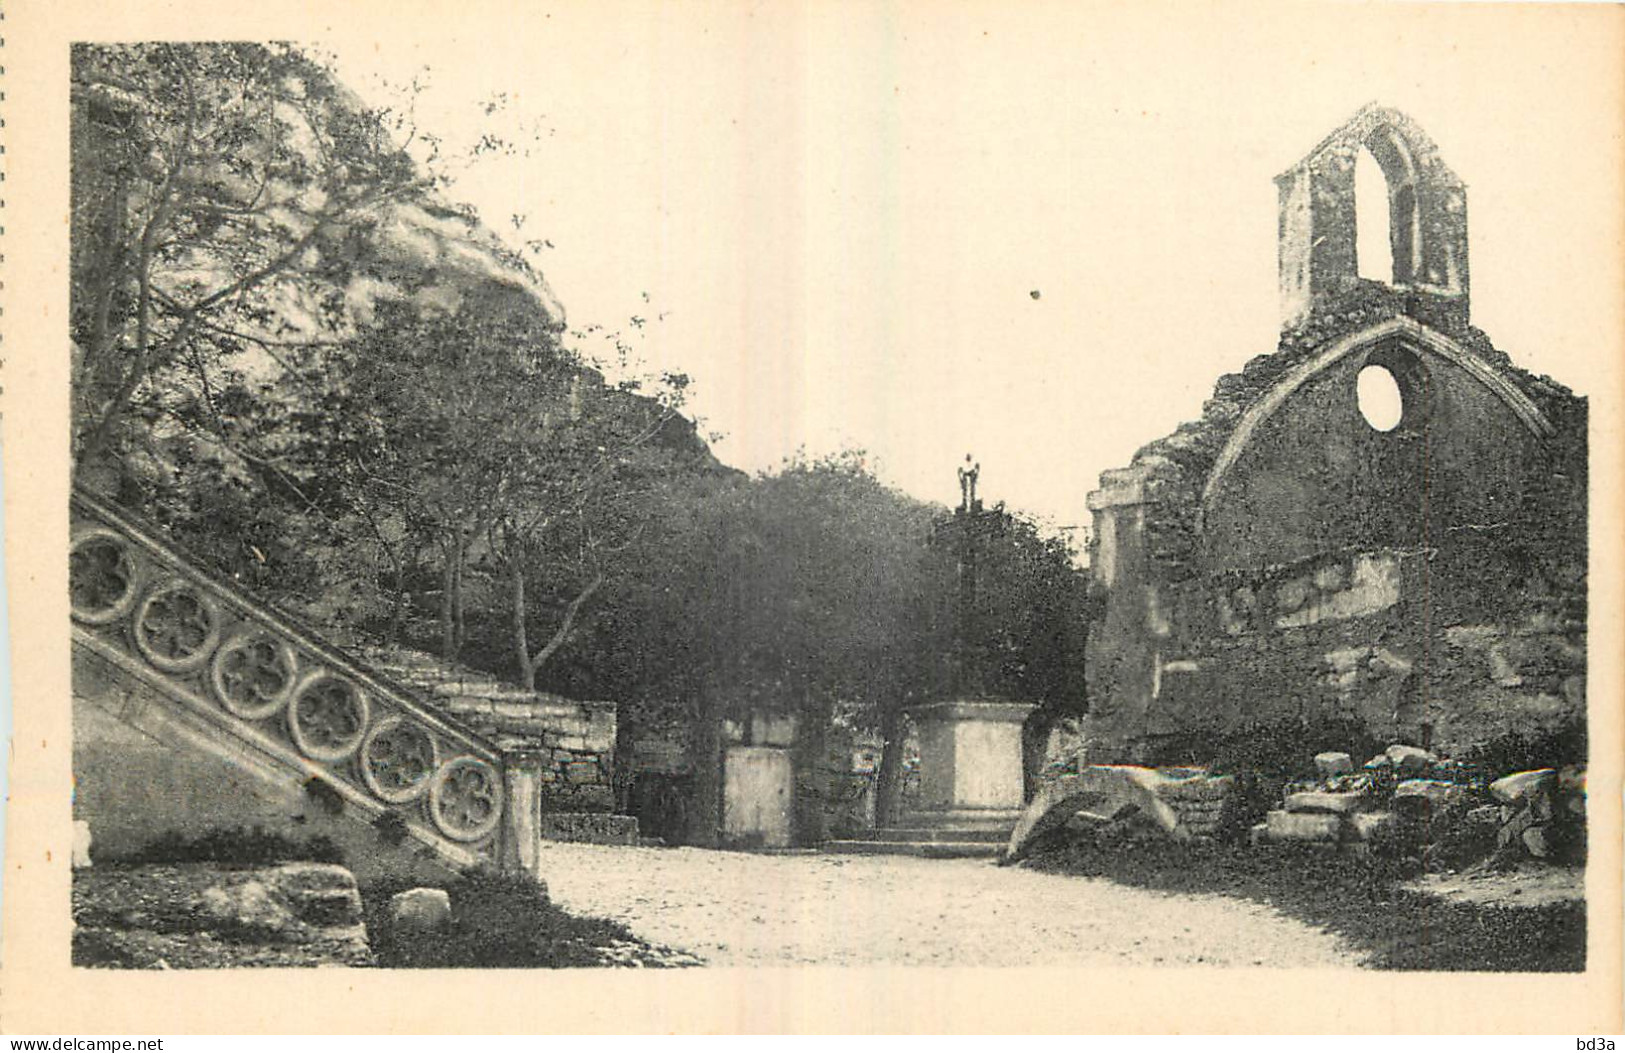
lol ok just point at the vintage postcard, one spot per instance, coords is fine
(919, 517)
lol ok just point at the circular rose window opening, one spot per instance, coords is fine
(1382, 404)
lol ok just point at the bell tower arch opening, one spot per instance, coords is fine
(1396, 198)
(1373, 243)
(1375, 203)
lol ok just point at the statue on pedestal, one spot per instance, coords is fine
(967, 486)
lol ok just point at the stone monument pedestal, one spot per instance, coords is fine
(970, 764)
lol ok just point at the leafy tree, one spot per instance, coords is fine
(578, 505)
(821, 592)
(266, 363)
(215, 190)
(474, 433)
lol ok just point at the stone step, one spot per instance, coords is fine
(918, 849)
(958, 819)
(1281, 825)
(938, 833)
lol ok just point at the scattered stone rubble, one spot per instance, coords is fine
(1407, 796)
(189, 916)
(1541, 812)
(1406, 799)
(628, 954)
(310, 903)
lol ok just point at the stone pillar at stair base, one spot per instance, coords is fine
(521, 834)
(970, 763)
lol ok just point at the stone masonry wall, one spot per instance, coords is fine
(574, 741)
(1282, 558)
(1429, 583)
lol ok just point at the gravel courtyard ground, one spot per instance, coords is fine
(741, 909)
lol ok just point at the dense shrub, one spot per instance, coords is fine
(391, 827)
(497, 921)
(236, 845)
(1282, 749)
(324, 796)
(1517, 751)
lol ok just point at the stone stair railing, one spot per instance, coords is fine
(275, 687)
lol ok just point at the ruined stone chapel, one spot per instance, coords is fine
(1286, 557)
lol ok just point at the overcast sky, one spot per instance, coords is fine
(1037, 233)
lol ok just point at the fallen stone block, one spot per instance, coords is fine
(1519, 785)
(1512, 828)
(211, 916)
(1212, 789)
(1410, 760)
(1435, 792)
(1323, 801)
(296, 902)
(1372, 826)
(1536, 840)
(1297, 826)
(249, 905)
(1330, 765)
(81, 844)
(321, 894)
(1429, 805)
(419, 910)
(1357, 782)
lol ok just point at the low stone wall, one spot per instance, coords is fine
(1203, 802)
(591, 828)
(1125, 803)
(573, 741)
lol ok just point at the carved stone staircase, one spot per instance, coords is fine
(170, 662)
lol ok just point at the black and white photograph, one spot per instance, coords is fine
(732, 489)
